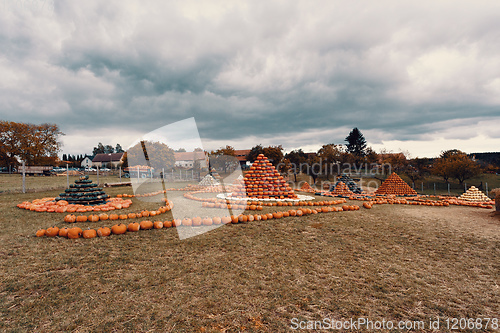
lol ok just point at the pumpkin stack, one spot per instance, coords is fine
(349, 182)
(394, 185)
(208, 180)
(306, 188)
(263, 181)
(341, 190)
(83, 192)
(474, 195)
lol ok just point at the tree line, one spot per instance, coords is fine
(29, 143)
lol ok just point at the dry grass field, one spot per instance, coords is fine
(394, 262)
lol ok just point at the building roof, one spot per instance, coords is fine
(115, 157)
(241, 154)
(190, 156)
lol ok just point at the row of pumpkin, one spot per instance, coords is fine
(117, 229)
(71, 218)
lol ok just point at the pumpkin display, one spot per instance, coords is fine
(103, 232)
(262, 181)
(394, 185)
(473, 194)
(340, 189)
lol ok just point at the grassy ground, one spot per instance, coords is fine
(392, 262)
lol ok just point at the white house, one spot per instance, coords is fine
(86, 162)
(186, 159)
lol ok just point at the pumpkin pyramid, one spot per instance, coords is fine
(83, 192)
(473, 194)
(341, 189)
(263, 181)
(306, 187)
(396, 186)
(349, 182)
(208, 180)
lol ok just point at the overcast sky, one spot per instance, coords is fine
(422, 76)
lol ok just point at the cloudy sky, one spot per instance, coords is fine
(422, 76)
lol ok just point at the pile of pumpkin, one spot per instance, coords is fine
(307, 188)
(341, 189)
(396, 186)
(49, 205)
(262, 181)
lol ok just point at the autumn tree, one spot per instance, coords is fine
(417, 168)
(157, 155)
(274, 154)
(297, 160)
(396, 161)
(455, 163)
(223, 159)
(254, 152)
(330, 156)
(33, 144)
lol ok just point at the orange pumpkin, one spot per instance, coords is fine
(81, 218)
(40, 233)
(63, 232)
(103, 216)
(75, 233)
(167, 224)
(93, 218)
(119, 229)
(70, 218)
(216, 220)
(134, 226)
(176, 222)
(146, 225)
(89, 233)
(158, 224)
(52, 232)
(103, 232)
(197, 221)
(226, 219)
(207, 221)
(113, 216)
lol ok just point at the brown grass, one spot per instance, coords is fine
(392, 262)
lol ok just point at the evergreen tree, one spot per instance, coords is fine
(65, 157)
(356, 143)
(119, 149)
